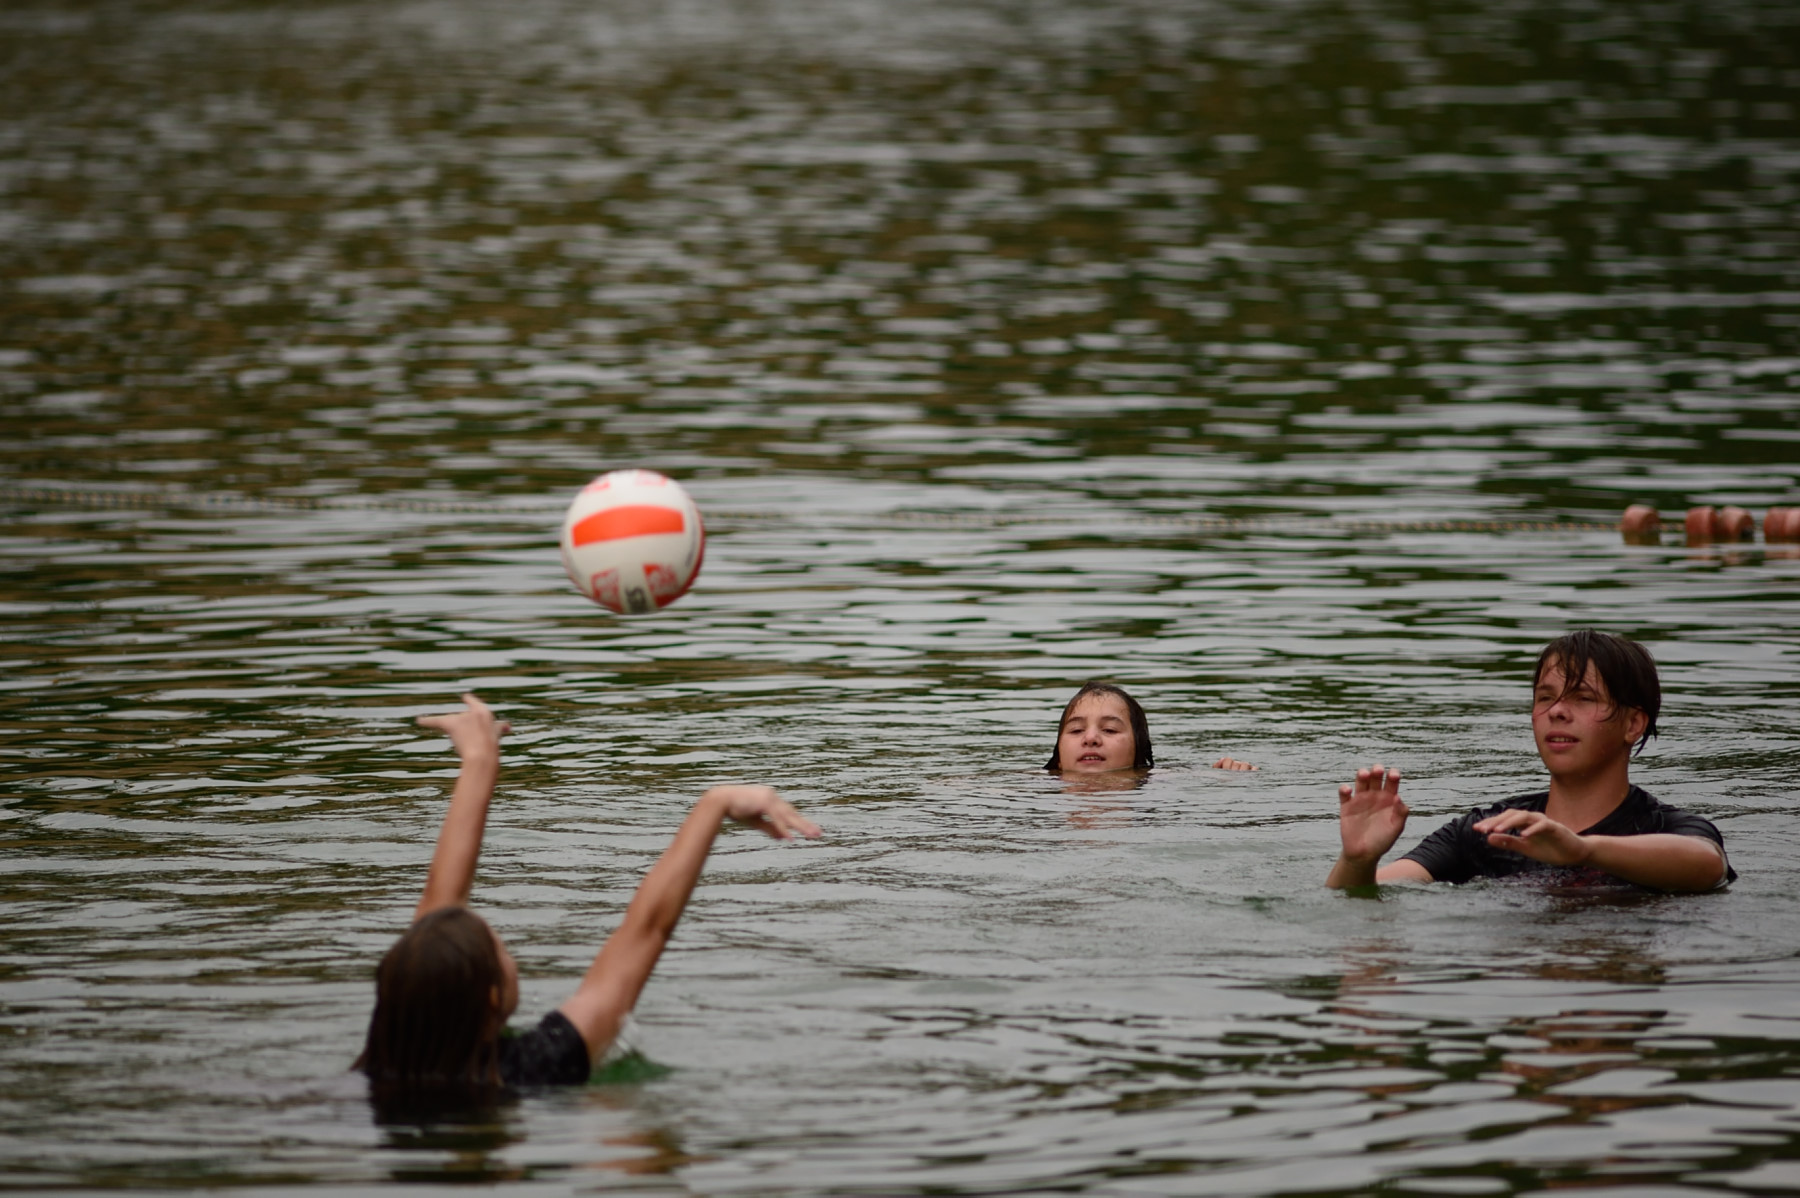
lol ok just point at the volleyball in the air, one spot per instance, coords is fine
(632, 541)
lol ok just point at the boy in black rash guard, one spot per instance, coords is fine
(1594, 696)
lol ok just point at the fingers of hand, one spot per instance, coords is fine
(469, 729)
(793, 821)
(1378, 777)
(761, 807)
(466, 723)
(1522, 822)
(1375, 784)
(783, 825)
(1521, 840)
(781, 821)
(483, 715)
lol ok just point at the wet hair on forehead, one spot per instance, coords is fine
(1625, 669)
(1142, 757)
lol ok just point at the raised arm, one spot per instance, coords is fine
(1370, 819)
(1660, 860)
(611, 986)
(475, 735)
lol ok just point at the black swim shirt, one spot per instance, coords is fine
(1456, 852)
(550, 1054)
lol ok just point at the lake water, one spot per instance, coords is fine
(970, 326)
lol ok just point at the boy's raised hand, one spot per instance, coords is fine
(471, 730)
(760, 807)
(1370, 814)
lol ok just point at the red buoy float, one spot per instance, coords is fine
(1641, 525)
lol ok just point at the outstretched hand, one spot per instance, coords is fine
(473, 730)
(1231, 763)
(1534, 834)
(760, 807)
(1370, 814)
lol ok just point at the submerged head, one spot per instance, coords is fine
(1594, 695)
(442, 994)
(1102, 729)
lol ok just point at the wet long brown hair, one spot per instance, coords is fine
(1142, 758)
(436, 1025)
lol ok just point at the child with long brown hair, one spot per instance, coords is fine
(444, 991)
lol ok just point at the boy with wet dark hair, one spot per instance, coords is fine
(1595, 698)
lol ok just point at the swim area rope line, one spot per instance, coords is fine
(214, 501)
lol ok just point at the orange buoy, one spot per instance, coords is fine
(1734, 524)
(1700, 530)
(1641, 525)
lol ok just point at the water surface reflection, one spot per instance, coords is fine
(944, 311)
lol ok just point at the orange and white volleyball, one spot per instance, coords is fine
(632, 541)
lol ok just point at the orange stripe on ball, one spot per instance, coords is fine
(631, 520)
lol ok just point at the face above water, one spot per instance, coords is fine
(1577, 728)
(1096, 736)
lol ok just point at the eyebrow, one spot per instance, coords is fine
(1545, 690)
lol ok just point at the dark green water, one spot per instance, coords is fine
(941, 311)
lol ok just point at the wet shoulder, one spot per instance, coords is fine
(1643, 813)
(550, 1054)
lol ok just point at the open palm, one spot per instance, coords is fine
(1370, 813)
